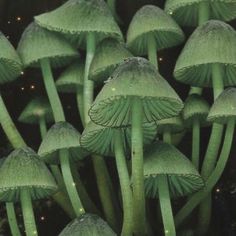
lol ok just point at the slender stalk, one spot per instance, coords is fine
(28, 213)
(196, 143)
(203, 12)
(137, 168)
(42, 126)
(195, 90)
(9, 127)
(167, 137)
(112, 5)
(124, 184)
(152, 50)
(214, 177)
(53, 96)
(69, 182)
(165, 204)
(80, 104)
(11, 216)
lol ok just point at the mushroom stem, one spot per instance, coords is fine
(69, 182)
(112, 6)
(203, 12)
(214, 177)
(9, 127)
(165, 204)
(195, 90)
(217, 81)
(11, 216)
(80, 103)
(137, 168)
(42, 127)
(196, 143)
(167, 136)
(28, 214)
(152, 50)
(124, 184)
(53, 96)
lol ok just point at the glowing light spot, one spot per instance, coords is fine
(22, 88)
(160, 59)
(81, 210)
(113, 89)
(22, 72)
(171, 12)
(18, 18)
(217, 190)
(73, 184)
(32, 86)
(9, 22)
(42, 218)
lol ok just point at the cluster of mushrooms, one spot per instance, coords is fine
(134, 110)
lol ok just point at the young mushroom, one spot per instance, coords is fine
(151, 30)
(169, 174)
(24, 177)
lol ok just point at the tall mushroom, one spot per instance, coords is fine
(135, 94)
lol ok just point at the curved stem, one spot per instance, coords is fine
(28, 213)
(167, 137)
(137, 168)
(213, 179)
(124, 184)
(203, 12)
(80, 104)
(69, 182)
(152, 50)
(196, 143)
(165, 204)
(53, 96)
(11, 216)
(9, 127)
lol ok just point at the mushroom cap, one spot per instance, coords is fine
(100, 140)
(10, 64)
(71, 79)
(87, 225)
(212, 42)
(152, 20)
(224, 107)
(76, 18)
(165, 159)
(37, 108)
(172, 124)
(23, 169)
(61, 135)
(186, 12)
(195, 107)
(37, 43)
(134, 78)
(108, 55)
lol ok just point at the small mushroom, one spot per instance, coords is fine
(24, 177)
(169, 174)
(151, 30)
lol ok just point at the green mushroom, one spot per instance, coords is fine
(108, 55)
(135, 94)
(88, 225)
(223, 111)
(196, 12)
(61, 145)
(24, 177)
(194, 114)
(151, 30)
(169, 174)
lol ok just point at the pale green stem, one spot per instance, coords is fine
(152, 50)
(203, 12)
(12, 220)
(80, 103)
(167, 136)
(196, 143)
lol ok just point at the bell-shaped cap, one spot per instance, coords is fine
(172, 125)
(77, 18)
(211, 43)
(134, 78)
(61, 135)
(186, 12)
(37, 43)
(101, 140)
(224, 107)
(195, 108)
(71, 79)
(23, 169)
(10, 64)
(108, 55)
(87, 225)
(152, 20)
(36, 109)
(165, 159)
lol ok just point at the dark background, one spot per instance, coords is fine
(14, 17)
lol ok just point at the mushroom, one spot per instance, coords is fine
(196, 12)
(194, 114)
(151, 30)
(223, 111)
(108, 141)
(108, 55)
(135, 94)
(61, 145)
(24, 177)
(169, 174)
(88, 224)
